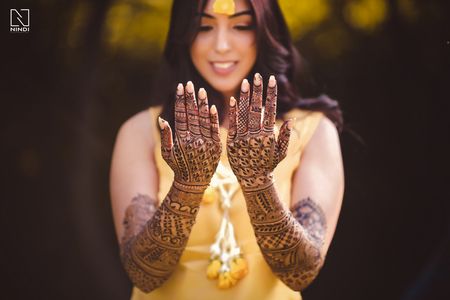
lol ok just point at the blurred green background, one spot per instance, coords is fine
(87, 66)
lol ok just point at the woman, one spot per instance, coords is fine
(238, 211)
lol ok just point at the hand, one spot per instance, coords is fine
(253, 150)
(195, 153)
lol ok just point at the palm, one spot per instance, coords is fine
(195, 153)
(253, 150)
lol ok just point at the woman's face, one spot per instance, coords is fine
(224, 50)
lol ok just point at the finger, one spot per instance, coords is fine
(192, 110)
(254, 119)
(243, 109)
(214, 124)
(203, 110)
(180, 113)
(232, 128)
(270, 110)
(166, 138)
(283, 138)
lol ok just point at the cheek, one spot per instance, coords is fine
(198, 49)
(247, 46)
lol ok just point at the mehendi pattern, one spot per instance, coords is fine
(311, 216)
(195, 153)
(254, 152)
(286, 245)
(150, 256)
(252, 148)
(154, 241)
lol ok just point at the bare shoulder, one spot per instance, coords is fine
(325, 139)
(137, 129)
(133, 170)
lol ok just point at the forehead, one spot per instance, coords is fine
(240, 5)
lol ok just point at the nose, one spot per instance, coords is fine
(222, 41)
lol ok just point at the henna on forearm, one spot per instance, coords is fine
(290, 246)
(290, 243)
(150, 252)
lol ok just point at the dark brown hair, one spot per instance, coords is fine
(276, 56)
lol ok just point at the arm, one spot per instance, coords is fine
(154, 238)
(292, 243)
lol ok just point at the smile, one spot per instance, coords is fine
(224, 68)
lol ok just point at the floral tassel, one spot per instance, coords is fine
(226, 262)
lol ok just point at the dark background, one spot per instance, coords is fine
(63, 102)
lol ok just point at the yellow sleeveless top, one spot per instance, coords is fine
(189, 281)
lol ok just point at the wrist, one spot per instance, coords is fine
(191, 188)
(256, 183)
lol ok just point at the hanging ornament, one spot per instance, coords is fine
(227, 264)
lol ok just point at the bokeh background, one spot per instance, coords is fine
(86, 66)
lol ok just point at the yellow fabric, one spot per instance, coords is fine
(189, 280)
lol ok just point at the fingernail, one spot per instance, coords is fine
(161, 123)
(180, 89)
(202, 94)
(244, 86)
(213, 109)
(257, 79)
(232, 101)
(272, 81)
(190, 87)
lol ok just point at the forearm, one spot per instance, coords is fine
(291, 252)
(152, 255)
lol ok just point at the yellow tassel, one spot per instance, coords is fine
(238, 268)
(213, 269)
(210, 195)
(226, 280)
(224, 7)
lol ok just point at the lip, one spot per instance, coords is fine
(223, 67)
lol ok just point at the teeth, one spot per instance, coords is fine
(223, 65)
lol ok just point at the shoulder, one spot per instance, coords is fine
(305, 125)
(324, 142)
(326, 132)
(137, 129)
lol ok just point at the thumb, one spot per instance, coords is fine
(166, 138)
(283, 138)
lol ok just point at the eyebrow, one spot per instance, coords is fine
(244, 12)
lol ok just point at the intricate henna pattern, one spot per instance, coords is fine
(253, 150)
(195, 153)
(312, 218)
(154, 240)
(150, 256)
(286, 245)
(141, 209)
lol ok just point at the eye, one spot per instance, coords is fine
(243, 27)
(204, 28)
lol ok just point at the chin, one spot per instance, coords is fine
(228, 87)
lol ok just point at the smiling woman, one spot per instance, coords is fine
(225, 47)
(243, 211)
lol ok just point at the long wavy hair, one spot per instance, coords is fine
(276, 55)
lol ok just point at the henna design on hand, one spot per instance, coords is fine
(252, 148)
(285, 244)
(195, 153)
(254, 152)
(151, 252)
